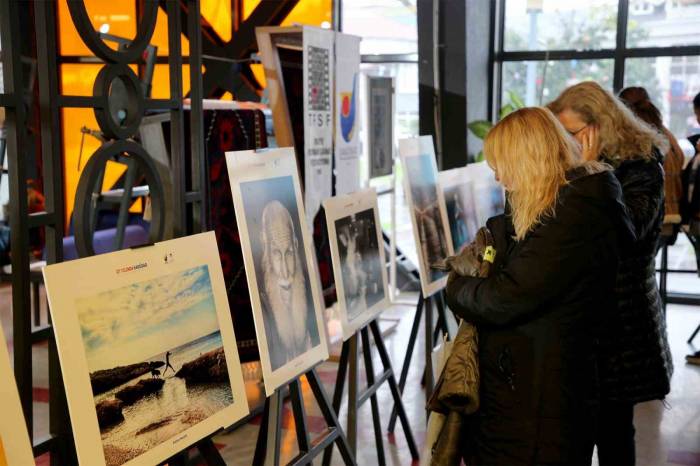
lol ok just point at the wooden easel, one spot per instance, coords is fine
(267, 449)
(431, 335)
(349, 358)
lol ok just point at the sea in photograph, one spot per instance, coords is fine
(169, 411)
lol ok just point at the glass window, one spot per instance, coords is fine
(386, 26)
(672, 82)
(560, 24)
(663, 23)
(539, 82)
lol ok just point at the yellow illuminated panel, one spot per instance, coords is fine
(311, 12)
(117, 17)
(218, 14)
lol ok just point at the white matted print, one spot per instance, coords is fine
(427, 208)
(359, 265)
(280, 263)
(147, 350)
(472, 196)
(15, 447)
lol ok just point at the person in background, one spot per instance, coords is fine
(536, 313)
(638, 100)
(633, 356)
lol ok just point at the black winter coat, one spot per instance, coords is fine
(635, 363)
(537, 315)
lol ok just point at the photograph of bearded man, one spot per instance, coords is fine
(283, 280)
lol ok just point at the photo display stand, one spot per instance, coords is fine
(357, 249)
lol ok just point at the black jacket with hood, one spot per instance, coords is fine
(538, 315)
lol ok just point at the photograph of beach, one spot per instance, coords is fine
(156, 360)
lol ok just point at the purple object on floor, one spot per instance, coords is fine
(103, 241)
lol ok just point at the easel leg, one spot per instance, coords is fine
(407, 359)
(442, 314)
(299, 416)
(330, 417)
(428, 348)
(393, 386)
(351, 431)
(338, 394)
(209, 453)
(369, 369)
(267, 450)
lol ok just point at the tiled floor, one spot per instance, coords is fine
(666, 435)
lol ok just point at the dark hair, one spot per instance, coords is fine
(638, 100)
(696, 101)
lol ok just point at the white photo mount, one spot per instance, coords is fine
(15, 446)
(72, 285)
(341, 209)
(273, 173)
(433, 239)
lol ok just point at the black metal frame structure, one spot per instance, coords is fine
(619, 54)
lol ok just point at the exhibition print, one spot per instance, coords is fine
(381, 131)
(15, 446)
(280, 264)
(359, 265)
(158, 358)
(428, 213)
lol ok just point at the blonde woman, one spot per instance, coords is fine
(553, 280)
(634, 358)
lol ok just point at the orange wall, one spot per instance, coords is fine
(77, 79)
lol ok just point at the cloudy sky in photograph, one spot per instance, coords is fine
(134, 323)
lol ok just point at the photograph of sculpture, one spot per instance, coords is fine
(156, 345)
(458, 191)
(280, 264)
(427, 207)
(357, 251)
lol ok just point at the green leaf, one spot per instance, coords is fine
(505, 110)
(515, 99)
(480, 128)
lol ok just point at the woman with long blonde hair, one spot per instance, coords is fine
(553, 278)
(634, 359)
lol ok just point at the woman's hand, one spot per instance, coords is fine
(590, 141)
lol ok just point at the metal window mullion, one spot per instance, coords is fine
(620, 45)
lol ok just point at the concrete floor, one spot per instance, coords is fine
(666, 435)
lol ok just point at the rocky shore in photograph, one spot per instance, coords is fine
(109, 412)
(133, 393)
(207, 368)
(107, 379)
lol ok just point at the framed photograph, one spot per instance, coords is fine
(359, 265)
(15, 446)
(427, 207)
(147, 349)
(380, 116)
(280, 263)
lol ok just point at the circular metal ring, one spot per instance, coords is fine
(131, 103)
(94, 42)
(85, 201)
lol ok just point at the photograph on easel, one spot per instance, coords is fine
(357, 249)
(280, 263)
(15, 446)
(152, 347)
(427, 207)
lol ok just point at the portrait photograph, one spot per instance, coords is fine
(427, 207)
(280, 263)
(458, 191)
(359, 265)
(158, 360)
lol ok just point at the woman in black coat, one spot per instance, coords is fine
(538, 311)
(635, 360)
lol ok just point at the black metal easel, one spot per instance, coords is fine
(267, 449)
(349, 358)
(207, 451)
(431, 335)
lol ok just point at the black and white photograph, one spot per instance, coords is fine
(358, 257)
(280, 263)
(156, 340)
(381, 125)
(428, 213)
(458, 191)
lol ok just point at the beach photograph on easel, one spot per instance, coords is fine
(280, 263)
(431, 228)
(15, 446)
(357, 250)
(157, 355)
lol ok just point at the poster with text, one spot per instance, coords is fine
(359, 265)
(426, 204)
(318, 117)
(15, 447)
(381, 125)
(280, 263)
(347, 119)
(147, 349)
